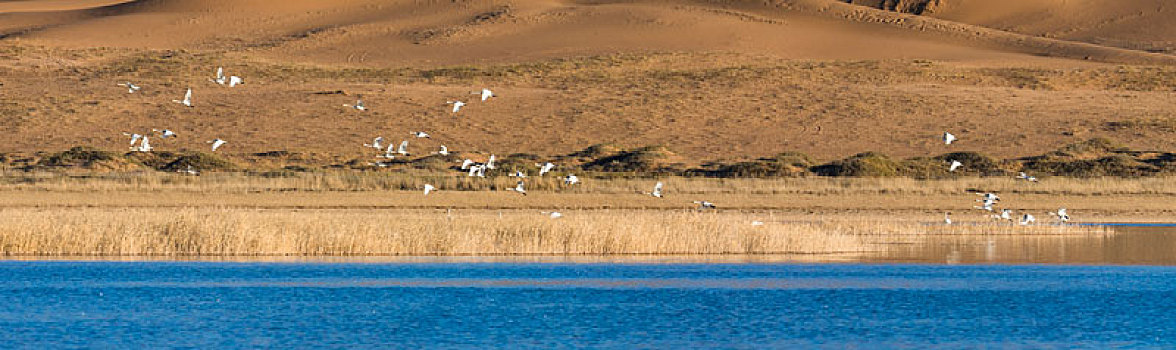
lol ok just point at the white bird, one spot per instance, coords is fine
(486, 94)
(987, 205)
(220, 76)
(358, 105)
(145, 145)
(1061, 215)
(377, 143)
(428, 188)
(187, 101)
(217, 144)
(947, 218)
(134, 137)
(1023, 176)
(465, 164)
(657, 190)
(235, 80)
(456, 105)
(948, 138)
(189, 171)
(703, 205)
(545, 168)
(519, 174)
(552, 214)
(419, 134)
(519, 188)
(444, 151)
(571, 180)
(475, 170)
(403, 149)
(1028, 219)
(955, 164)
(757, 223)
(389, 153)
(1005, 214)
(165, 133)
(990, 197)
(490, 163)
(131, 88)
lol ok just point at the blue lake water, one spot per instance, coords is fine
(46, 304)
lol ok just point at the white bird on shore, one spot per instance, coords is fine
(134, 137)
(217, 143)
(703, 205)
(235, 80)
(1027, 219)
(377, 143)
(131, 88)
(358, 105)
(444, 151)
(948, 138)
(145, 145)
(1061, 215)
(657, 190)
(419, 134)
(1023, 176)
(571, 180)
(486, 94)
(490, 163)
(552, 214)
(947, 218)
(220, 76)
(519, 188)
(428, 188)
(187, 101)
(165, 133)
(456, 105)
(955, 164)
(403, 149)
(545, 168)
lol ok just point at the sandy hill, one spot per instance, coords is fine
(708, 80)
(1146, 25)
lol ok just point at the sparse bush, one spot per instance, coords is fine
(867, 164)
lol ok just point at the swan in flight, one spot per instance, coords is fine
(519, 188)
(235, 80)
(545, 168)
(131, 88)
(465, 164)
(1005, 214)
(419, 134)
(948, 138)
(657, 190)
(571, 180)
(987, 205)
(377, 143)
(757, 223)
(955, 164)
(428, 188)
(478, 170)
(486, 94)
(165, 133)
(456, 105)
(217, 144)
(519, 174)
(1061, 215)
(187, 101)
(358, 105)
(220, 76)
(1027, 219)
(389, 153)
(552, 214)
(988, 197)
(490, 163)
(403, 149)
(703, 205)
(134, 137)
(444, 151)
(1023, 176)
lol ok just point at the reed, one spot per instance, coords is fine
(235, 232)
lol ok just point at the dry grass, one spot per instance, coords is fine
(226, 232)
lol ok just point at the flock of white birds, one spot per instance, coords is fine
(389, 151)
(989, 201)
